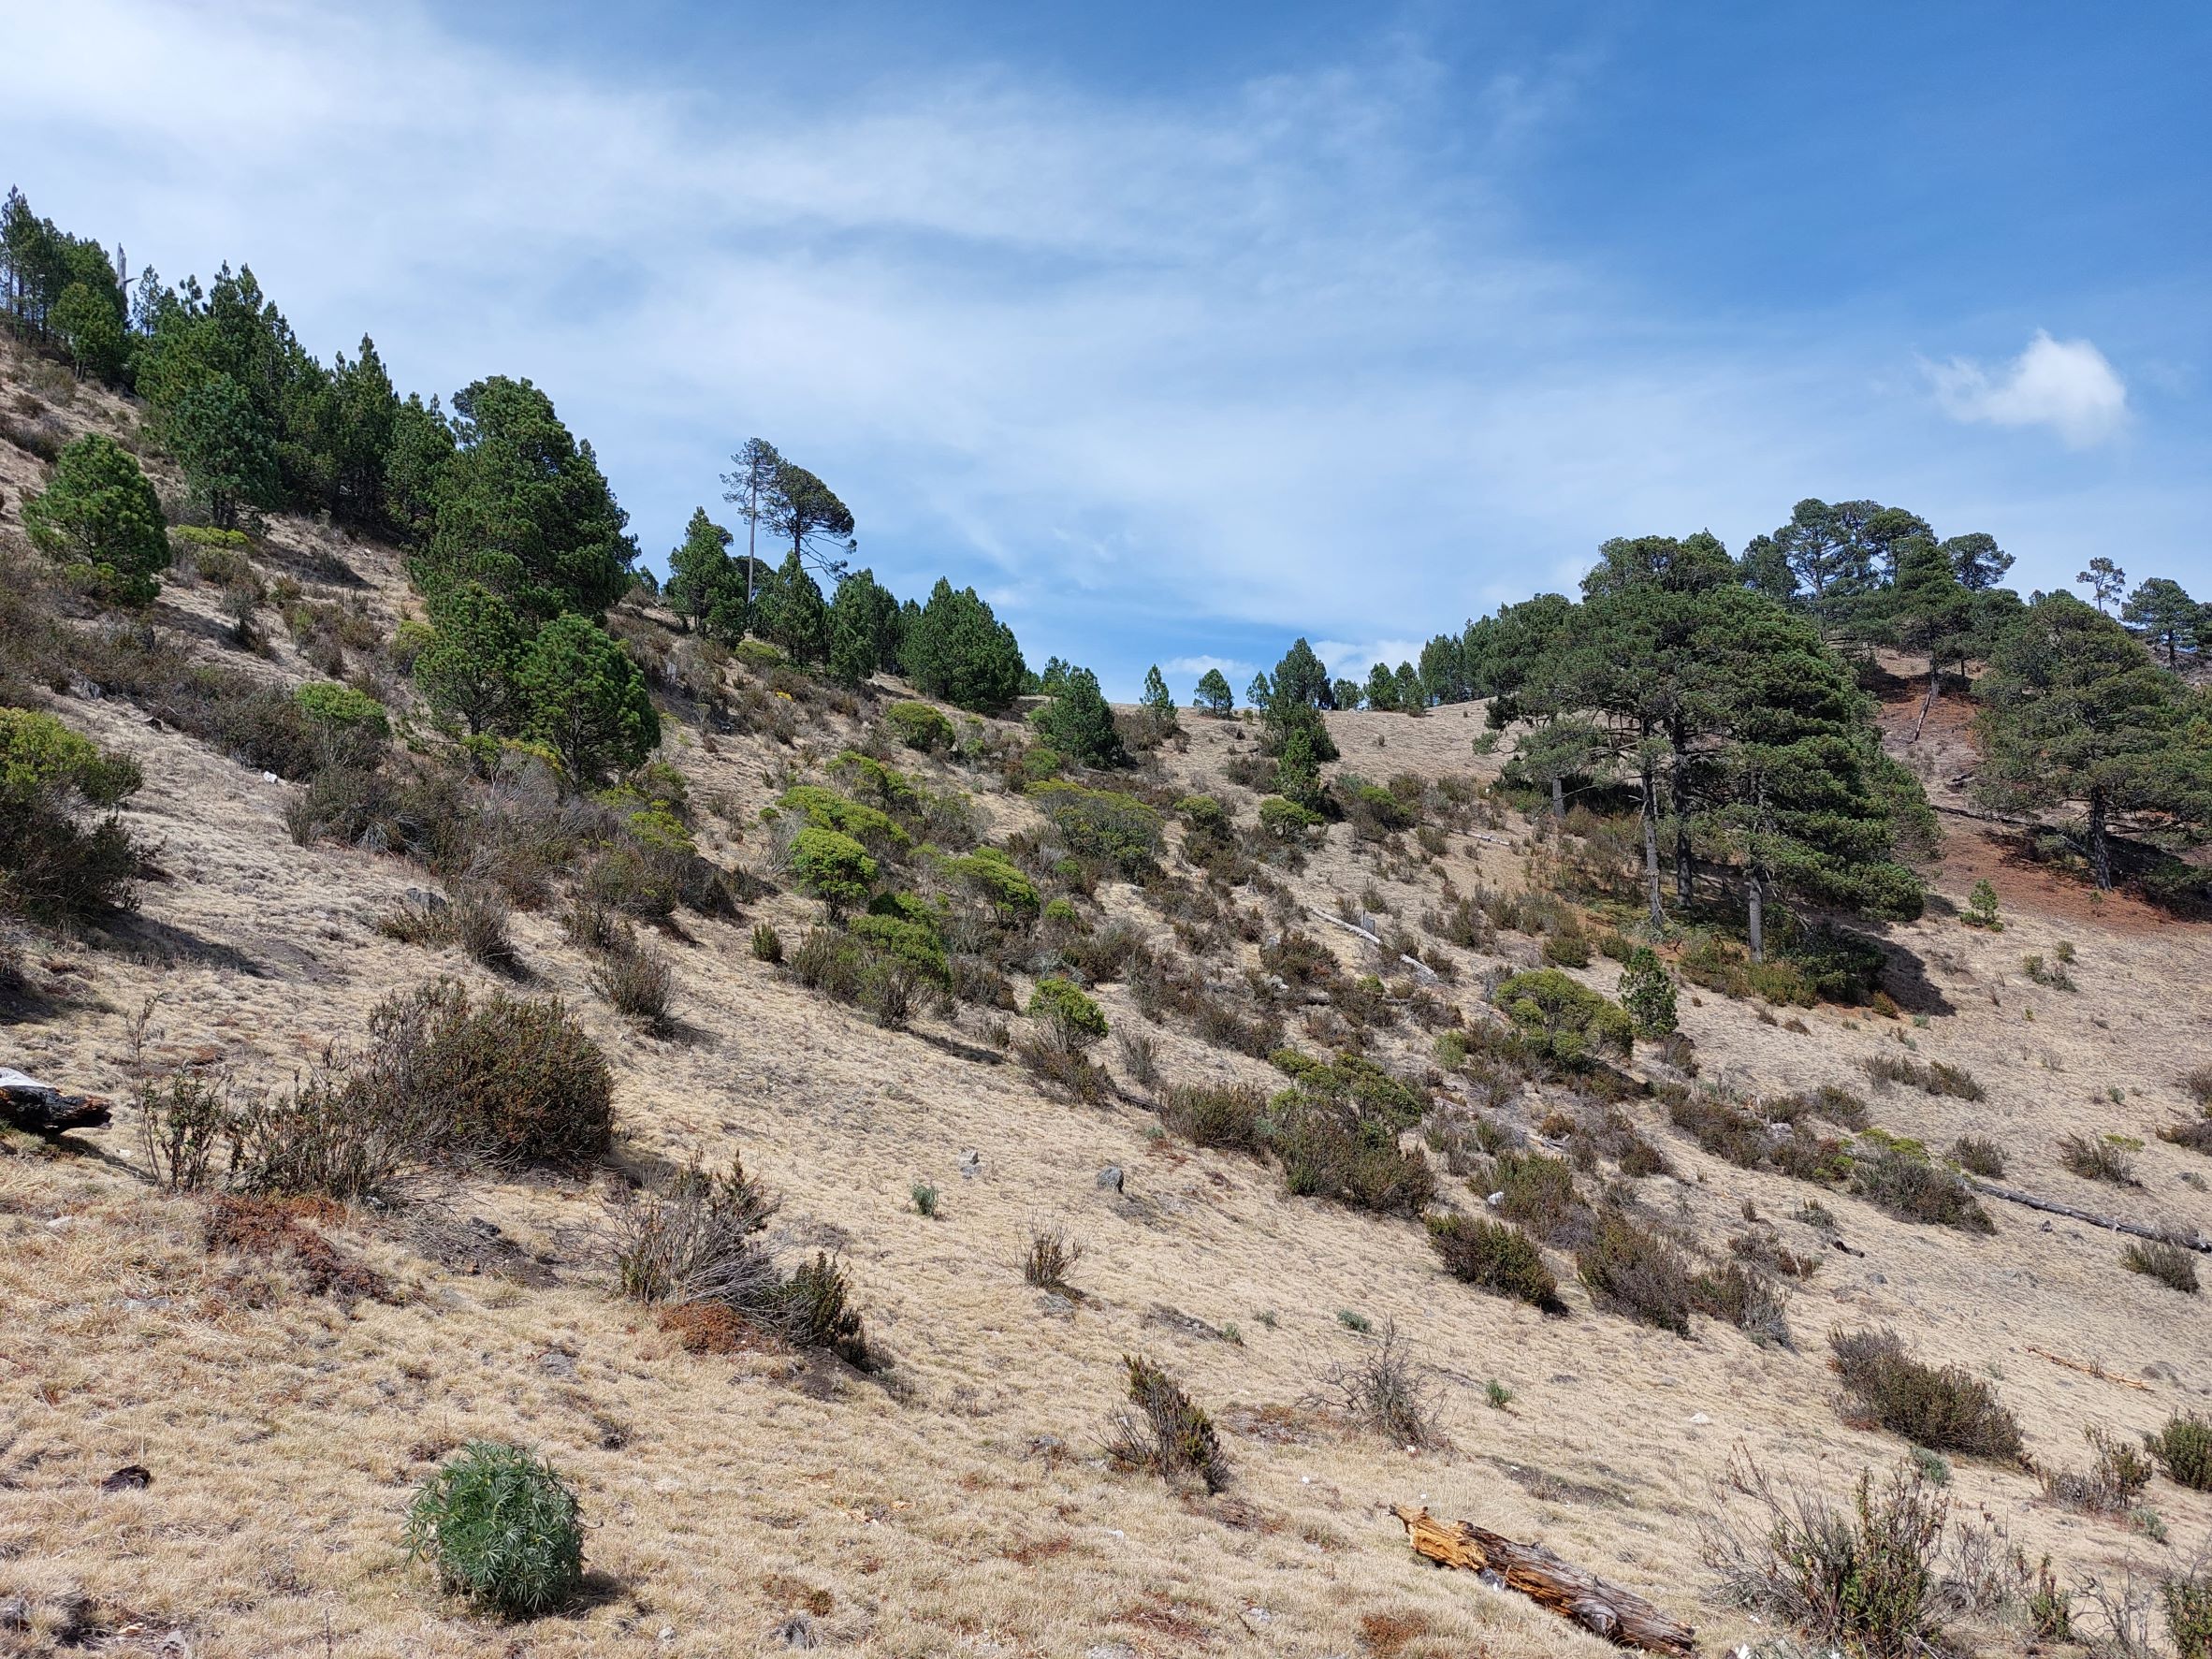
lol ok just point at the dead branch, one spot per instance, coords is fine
(2163, 1235)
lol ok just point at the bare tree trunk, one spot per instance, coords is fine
(1754, 893)
(1684, 870)
(1558, 799)
(2099, 846)
(1652, 846)
(1928, 702)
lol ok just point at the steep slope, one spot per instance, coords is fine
(959, 1501)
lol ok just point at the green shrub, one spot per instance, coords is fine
(501, 1528)
(1167, 1434)
(2187, 1600)
(1565, 1021)
(205, 535)
(1071, 1018)
(988, 874)
(99, 517)
(53, 866)
(1203, 815)
(1331, 1152)
(1286, 820)
(1977, 1155)
(767, 944)
(349, 726)
(826, 809)
(1495, 1257)
(1537, 1192)
(2184, 1451)
(1630, 1267)
(919, 727)
(1102, 826)
(2169, 1263)
(1230, 1116)
(833, 867)
(510, 1079)
(1648, 994)
(912, 943)
(1906, 1184)
(2097, 1158)
(1945, 1409)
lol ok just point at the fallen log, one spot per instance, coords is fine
(1620, 1616)
(40, 1109)
(1421, 970)
(2163, 1235)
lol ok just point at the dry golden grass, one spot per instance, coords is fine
(962, 1503)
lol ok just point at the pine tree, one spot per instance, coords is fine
(468, 667)
(864, 628)
(955, 649)
(1213, 694)
(101, 520)
(1932, 612)
(586, 698)
(90, 326)
(1158, 703)
(790, 611)
(1381, 691)
(2075, 709)
(2162, 610)
(1079, 724)
(700, 570)
(2105, 580)
(226, 448)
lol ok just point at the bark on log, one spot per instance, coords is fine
(2164, 1236)
(40, 1109)
(1620, 1616)
(2090, 1368)
(1421, 970)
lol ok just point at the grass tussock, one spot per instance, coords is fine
(1051, 1256)
(1933, 1077)
(1943, 1408)
(2112, 1483)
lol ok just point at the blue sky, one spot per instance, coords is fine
(1178, 330)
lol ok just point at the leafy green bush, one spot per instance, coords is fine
(499, 1527)
(1648, 994)
(826, 809)
(53, 866)
(1286, 820)
(833, 867)
(1102, 826)
(1072, 1019)
(920, 727)
(2184, 1451)
(1495, 1257)
(1945, 1409)
(1567, 1021)
(988, 874)
(350, 727)
(1904, 1182)
(913, 943)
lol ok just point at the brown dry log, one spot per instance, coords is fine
(1620, 1616)
(40, 1109)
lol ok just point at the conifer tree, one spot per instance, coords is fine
(864, 628)
(226, 448)
(1213, 694)
(2163, 612)
(100, 518)
(469, 665)
(1157, 702)
(790, 611)
(2073, 709)
(700, 570)
(1079, 722)
(586, 698)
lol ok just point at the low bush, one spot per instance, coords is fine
(920, 727)
(501, 1528)
(1495, 1257)
(1051, 1256)
(1741, 1294)
(1285, 820)
(1329, 1152)
(2187, 1600)
(1382, 1390)
(692, 1240)
(2116, 1474)
(1562, 1020)
(1632, 1268)
(1229, 1117)
(1945, 1409)
(1936, 1078)
(637, 983)
(54, 866)
(2097, 1158)
(2169, 1263)
(1906, 1184)
(1165, 1435)
(2183, 1449)
(1977, 1155)
(833, 867)
(1863, 1582)
(1103, 826)
(1071, 1020)
(767, 944)
(1537, 1190)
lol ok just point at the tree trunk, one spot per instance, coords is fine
(2099, 846)
(1684, 869)
(1604, 1609)
(1926, 703)
(1652, 848)
(1558, 799)
(1754, 893)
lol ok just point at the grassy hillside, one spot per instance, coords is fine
(958, 1497)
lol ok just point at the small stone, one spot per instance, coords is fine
(555, 1362)
(1699, 1421)
(130, 1477)
(797, 1632)
(1110, 1178)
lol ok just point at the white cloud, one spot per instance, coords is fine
(1348, 661)
(1236, 672)
(2066, 385)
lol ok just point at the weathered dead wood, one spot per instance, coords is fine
(2090, 1368)
(1620, 1616)
(1421, 970)
(40, 1109)
(2164, 1236)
